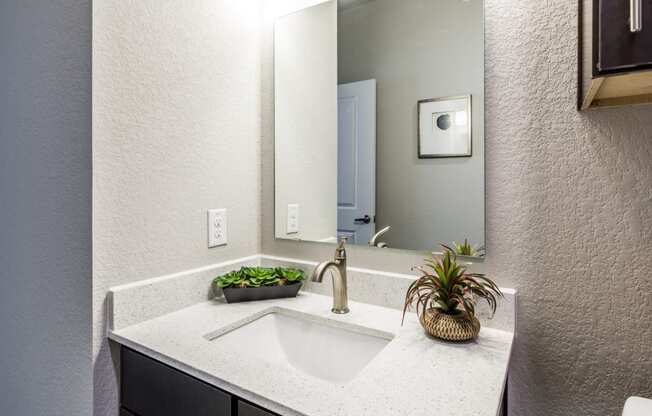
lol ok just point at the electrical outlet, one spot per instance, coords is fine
(293, 219)
(217, 227)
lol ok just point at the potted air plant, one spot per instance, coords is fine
(466, 249)
(259, 283)
(445, 297)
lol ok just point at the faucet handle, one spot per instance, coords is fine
(340, 251)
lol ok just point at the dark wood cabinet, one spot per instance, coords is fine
(246, 409)
(622, 47)
(151, 388)
(615, 53)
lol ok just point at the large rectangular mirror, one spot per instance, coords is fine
(379, 124)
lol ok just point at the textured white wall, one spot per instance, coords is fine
(420, 49)
(569, 217)
(45, 207)
(176, 131)
(306, 120)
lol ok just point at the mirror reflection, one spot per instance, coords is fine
(379, 127)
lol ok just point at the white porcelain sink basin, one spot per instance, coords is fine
(316, 346)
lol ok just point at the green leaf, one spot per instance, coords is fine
(446, 285)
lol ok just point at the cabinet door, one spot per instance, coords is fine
(150, 388)
(246, 409)
(620, 48)
(125, 412)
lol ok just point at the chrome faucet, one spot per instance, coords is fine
(338, 266)
(374, 240)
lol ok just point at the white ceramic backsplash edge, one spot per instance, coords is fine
(140, 301)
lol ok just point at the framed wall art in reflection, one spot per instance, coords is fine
(444, 127)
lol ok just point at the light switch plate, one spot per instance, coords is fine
(293, 219)
(217, 227)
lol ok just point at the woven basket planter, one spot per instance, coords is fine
(450, 327)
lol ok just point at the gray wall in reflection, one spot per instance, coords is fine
(416, 50)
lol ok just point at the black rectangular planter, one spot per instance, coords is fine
(245, 294)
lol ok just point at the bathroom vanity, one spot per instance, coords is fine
(378, 139)
(185, 353)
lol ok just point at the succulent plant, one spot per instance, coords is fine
(466, 249)
(231, 279)
(259, 276)
(288, 275)
(448, 287)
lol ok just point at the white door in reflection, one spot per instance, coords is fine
(356, 161)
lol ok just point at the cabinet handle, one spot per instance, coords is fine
(635, 16)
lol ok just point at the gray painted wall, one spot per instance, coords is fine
(569, 217)
(45, 207)
(420, 49)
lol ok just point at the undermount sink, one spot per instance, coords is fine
(311, 344)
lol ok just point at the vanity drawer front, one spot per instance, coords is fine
(246, 409)
(150, 388)
(125, 412)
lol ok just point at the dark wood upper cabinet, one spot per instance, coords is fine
(615, 52)
(624, 34)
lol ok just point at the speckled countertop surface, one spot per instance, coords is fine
(413, 375)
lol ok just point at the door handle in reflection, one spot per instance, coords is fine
(364, 220)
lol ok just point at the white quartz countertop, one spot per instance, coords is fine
(413, 375)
